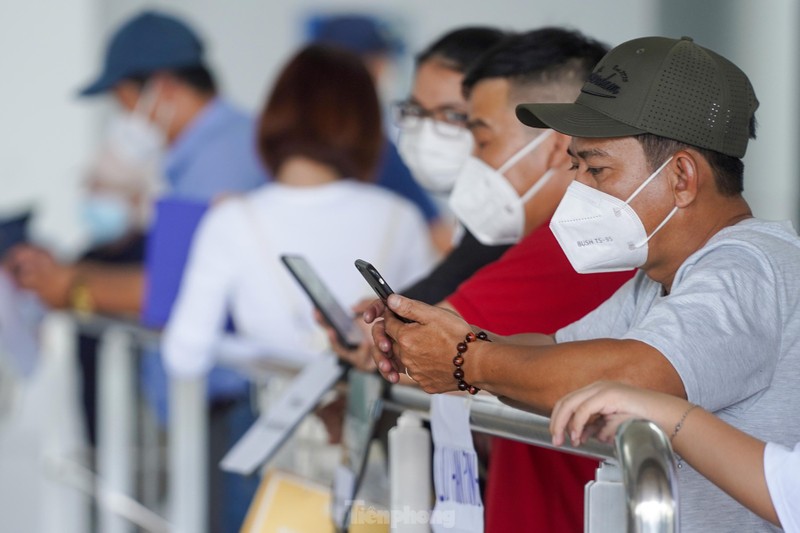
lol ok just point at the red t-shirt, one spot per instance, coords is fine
(533, 288)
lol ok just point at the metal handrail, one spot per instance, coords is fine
(641, 450)
(491, 416)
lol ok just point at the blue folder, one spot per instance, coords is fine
(167, 250)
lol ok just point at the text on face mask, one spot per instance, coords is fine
(596, 240)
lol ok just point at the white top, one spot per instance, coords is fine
(234, 266)
(731, 329)
(782, 470)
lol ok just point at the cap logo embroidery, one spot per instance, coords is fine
(609, 88)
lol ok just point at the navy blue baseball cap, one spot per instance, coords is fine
(148, 42)
(362, 34)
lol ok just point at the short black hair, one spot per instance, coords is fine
(198, 77)
(728, 170)
(545, 55)
(459, 48)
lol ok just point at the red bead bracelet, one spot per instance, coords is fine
(458, 360)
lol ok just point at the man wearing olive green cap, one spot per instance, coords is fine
(712, 315)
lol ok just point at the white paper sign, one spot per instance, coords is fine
(458, 508)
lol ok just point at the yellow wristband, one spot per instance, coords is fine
(80, 299)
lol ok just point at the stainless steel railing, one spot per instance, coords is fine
(641, 452)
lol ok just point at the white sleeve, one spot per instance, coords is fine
(782, 471)
(719, 327)
(197, 319)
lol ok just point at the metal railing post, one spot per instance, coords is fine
(188, 455)
(648, 473)
(116, 422)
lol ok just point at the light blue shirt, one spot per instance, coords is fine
(215, 154)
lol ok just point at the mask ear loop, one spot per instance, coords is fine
(648, 180)
(146, 102)
(525, 150)
(638, 190)
(536, 187)
(146, 106)
(658, 228)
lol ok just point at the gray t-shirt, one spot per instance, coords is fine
(731, 328)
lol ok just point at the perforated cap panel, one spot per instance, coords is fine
(700, 98)
(668, 87)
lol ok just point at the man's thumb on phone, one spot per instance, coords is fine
(407, 308)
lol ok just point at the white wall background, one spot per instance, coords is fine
(48, 48)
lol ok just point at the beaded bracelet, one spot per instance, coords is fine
(458, 360)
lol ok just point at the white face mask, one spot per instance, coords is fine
(601, 233)
(434, 159)
(134, 138)
(488, 205)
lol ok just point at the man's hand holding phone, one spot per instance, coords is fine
(389, 367)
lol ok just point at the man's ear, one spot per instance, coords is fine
(685, 177)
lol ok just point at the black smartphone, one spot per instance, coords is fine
(334, 314)
(376, 281)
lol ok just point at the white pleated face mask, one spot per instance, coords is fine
(133, 137)
(488, 205)
(601, 233)
(434, 159)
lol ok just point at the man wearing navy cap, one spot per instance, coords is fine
(155, 63)
(155, 69)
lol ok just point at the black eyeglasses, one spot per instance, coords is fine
(446, 121)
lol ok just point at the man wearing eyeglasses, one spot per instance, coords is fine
(435, 143)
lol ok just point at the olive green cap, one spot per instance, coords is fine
(672, 88)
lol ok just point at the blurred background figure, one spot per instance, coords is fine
(372, 38)
(320, 137)
(173, 131)
(378, 46)
(172, 120)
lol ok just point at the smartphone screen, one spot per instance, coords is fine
(334, 314)
(376, 281)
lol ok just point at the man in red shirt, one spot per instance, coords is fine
(532, 287)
